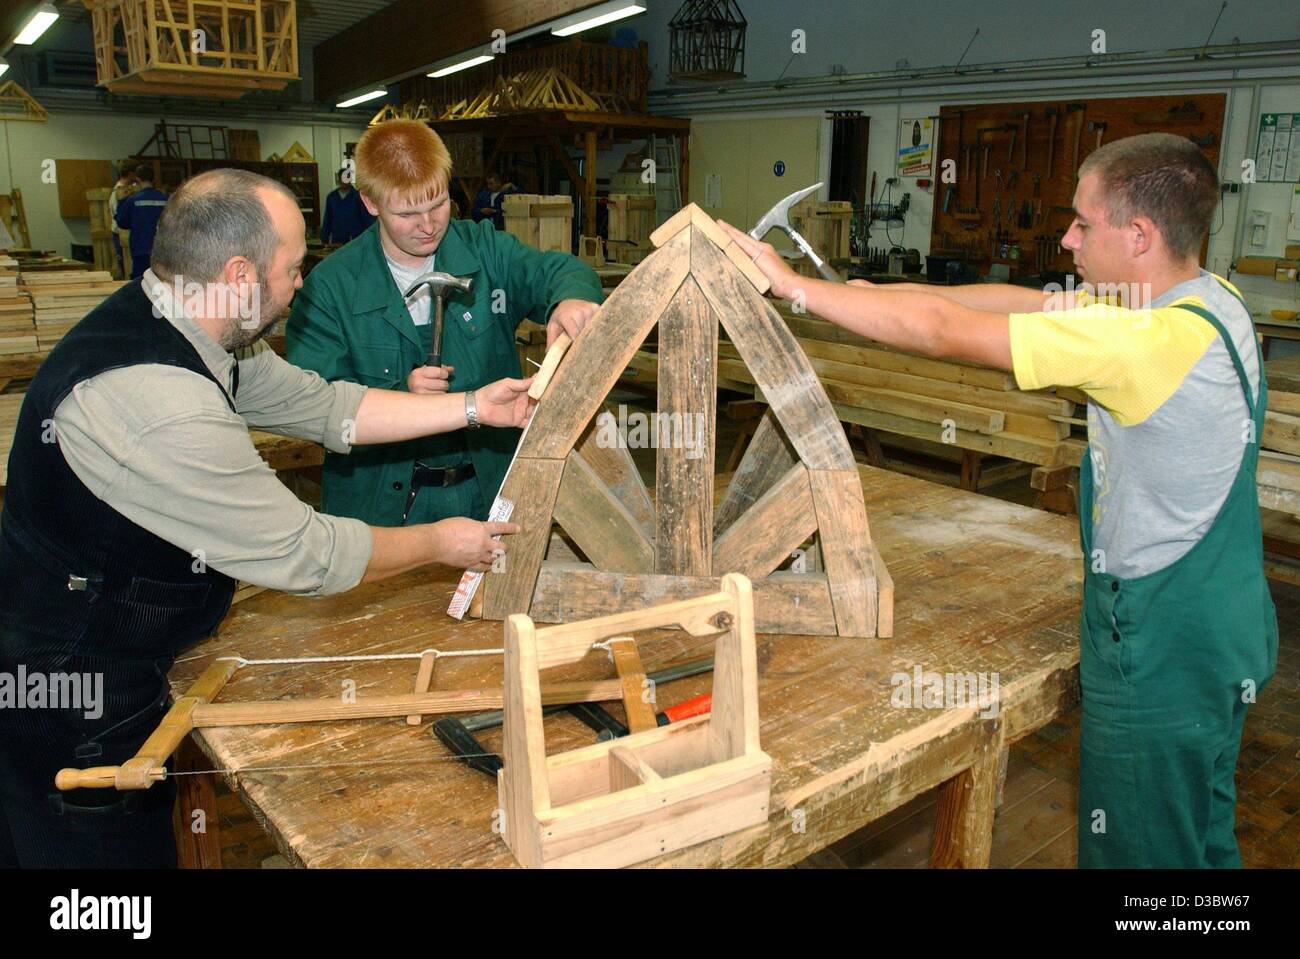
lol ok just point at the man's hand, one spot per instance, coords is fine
(783, 279)
(429, 379)
(468, 544)
(504, 403)
(569, 316)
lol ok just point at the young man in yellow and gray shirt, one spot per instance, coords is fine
(1178, 632)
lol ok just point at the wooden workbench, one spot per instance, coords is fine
(982, 586)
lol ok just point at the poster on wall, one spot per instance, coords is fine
(916, 146)
(1277, 152)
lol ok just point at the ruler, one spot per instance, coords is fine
(470, 579)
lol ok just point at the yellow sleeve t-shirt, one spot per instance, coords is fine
(1128, 361)
(1166, 416)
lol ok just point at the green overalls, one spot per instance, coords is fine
(349, 322)
(1168, 663)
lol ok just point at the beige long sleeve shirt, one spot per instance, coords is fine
(161, 446)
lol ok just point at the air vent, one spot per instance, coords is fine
(67, 68)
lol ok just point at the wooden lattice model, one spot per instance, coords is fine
(216, 48)
(792, 519)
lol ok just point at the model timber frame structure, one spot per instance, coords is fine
(798, 479)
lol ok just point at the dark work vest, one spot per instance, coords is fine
(76, 576)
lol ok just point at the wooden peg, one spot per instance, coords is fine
(422, 679)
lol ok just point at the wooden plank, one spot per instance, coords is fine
(1281, 432)
(1027, 449)
(769, 531)
(603, 350)
(783, 602)
(532, 486)
(612, 462)
(688, 347)
(884, 595)
(524, 789)
(1278, 471)
(393, 705)
(928, 409)
(640, 711)
(779, 368)
(846, 549)
(849, 364)
(848, 347)
(1280, 401)
(597, 521)
(423, 676)
(691, 215)
(768, 457)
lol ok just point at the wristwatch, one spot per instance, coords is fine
(471, 411)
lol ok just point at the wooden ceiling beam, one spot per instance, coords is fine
(402, 38)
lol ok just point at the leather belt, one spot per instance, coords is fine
(423, 475)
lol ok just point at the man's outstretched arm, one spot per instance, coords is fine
(911, 320)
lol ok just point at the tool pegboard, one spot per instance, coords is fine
(1018, 161)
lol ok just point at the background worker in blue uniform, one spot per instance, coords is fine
(350, 322)
(346, 217)
(139, 214)
(1178, 632)
(488, 203)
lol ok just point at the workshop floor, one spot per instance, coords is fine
(1035, 824)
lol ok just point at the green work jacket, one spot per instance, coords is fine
(349, 322)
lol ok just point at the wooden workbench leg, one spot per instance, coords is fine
(201, 849)
(963, 823)
(870, 445)
(970, 470)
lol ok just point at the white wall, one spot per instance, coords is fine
(100, 136)
(868, 36)
(860, 37)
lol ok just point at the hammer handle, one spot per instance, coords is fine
(822, 267)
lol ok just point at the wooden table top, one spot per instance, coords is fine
(982, 586)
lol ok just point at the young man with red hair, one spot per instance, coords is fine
(350, 322)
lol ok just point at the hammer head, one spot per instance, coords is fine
(779, 216)
(440, 283)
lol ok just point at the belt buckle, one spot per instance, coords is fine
(76, 583)
(449, 475)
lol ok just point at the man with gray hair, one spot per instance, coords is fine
(1178, 632)
(136, 499)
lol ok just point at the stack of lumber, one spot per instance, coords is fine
(60, 299)
(1278, 475)
(940, 401)
(17, 328)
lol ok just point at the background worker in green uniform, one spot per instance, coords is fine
(350, 322)
(1178, 631)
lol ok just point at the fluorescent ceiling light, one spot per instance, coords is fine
(462, 65)
(4, 66)
(40, 22)
(382, 91)
(598, 16)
